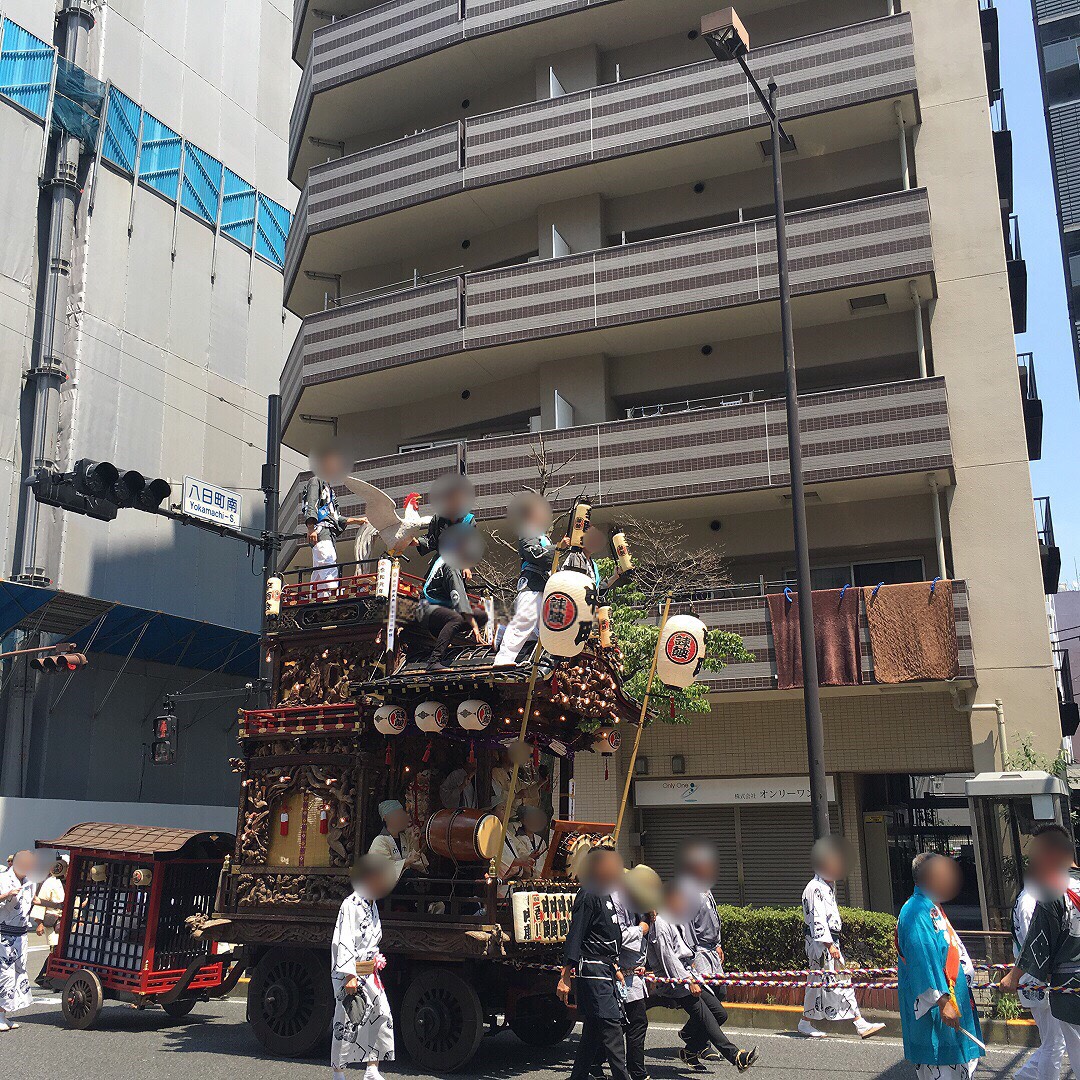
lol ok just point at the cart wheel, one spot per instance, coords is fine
(442, 1021)
(542, 1020)
(177, 1010)
(291, 1001)
(81, 1000)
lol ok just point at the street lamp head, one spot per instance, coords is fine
(725, 33)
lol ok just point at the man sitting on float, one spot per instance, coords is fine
(398, 839)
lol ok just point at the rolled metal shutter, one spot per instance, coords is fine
(667, 829)
(776, 842)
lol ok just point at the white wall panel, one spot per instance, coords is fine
(189, 303)
(275, 31)
(122, 59)
(200, 119)
(21, 139)
(150, 269)
(240, 77)
(108, 248)
(203, 40)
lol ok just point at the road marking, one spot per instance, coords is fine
(792, 1036)
(39, 948)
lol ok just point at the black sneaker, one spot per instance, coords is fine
(597, 1071)
(745, 1058)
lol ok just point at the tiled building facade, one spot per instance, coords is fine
(529, 217)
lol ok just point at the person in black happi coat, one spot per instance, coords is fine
(591, 959)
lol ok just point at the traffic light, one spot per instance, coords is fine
(98, 489)
(57, 663)
(164, 744)
(54, 488)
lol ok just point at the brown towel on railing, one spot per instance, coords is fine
(836, 635)
(912, 632)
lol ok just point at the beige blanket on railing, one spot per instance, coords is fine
(912, 632)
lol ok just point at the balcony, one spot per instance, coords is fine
(401, 63)
(895, 430)
(657, 294)
(991, 38)
(749, 617)
(1033, 407)
(1049, 552)
(486, 167)
(1018, 275)
(1068, 708)
(1003, 151)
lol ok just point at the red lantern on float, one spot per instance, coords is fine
(283, 823)
(324, 821)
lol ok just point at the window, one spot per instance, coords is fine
(237, 209)
(121, 140)
(891, 572)
(159, 157)
(26, 69)
(202, 183)
(272, 227)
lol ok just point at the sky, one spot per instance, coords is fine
(1048, 335)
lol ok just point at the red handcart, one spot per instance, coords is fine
(127, 931)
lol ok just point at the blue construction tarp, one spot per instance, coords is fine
(154, 636)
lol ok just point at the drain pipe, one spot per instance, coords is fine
(939, 536)
(905, 165)
(920, 330)
(960, 704)
(47, 372)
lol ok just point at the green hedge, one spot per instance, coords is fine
(771, 938)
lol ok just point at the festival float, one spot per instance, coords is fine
(357, 718)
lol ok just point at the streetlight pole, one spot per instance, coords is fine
(728, 40)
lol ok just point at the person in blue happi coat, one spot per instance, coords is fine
(942, 1036)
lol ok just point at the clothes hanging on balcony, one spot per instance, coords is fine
(836, 634)
(912, 632)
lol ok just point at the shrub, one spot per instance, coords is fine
(771, 938)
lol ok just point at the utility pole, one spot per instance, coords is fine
(271, 484)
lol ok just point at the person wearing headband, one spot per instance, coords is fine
(398, 839)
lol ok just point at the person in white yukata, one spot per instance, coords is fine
(363, 1028)
(16, 899)
(826, 998)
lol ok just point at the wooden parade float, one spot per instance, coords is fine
(135, 901)
(358, 719)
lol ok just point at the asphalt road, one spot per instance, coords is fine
(214, 1043)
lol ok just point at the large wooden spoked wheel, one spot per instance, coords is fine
(441, 1021)
(541, 1020)
(82, 999)
(290, 1002)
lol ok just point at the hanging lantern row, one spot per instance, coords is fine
(432, 717)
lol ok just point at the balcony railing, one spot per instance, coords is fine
(749, 617)
(868, 432)
(1018, 276)
(1032, 404)
(1003, 151)
(847, 245)
(1049, 552)
(839, 68)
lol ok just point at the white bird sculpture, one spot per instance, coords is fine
(395, 530)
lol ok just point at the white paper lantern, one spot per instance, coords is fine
(431, 716)
(273, 597)
(474, 715)
(566, 615)
(682, 650)
(607, 740)
(390, 719)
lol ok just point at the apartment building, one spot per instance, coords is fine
(1057, 38)
(521, 216)
(142, 231)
